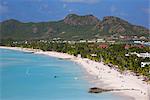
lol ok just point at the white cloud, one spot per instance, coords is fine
(81, 1)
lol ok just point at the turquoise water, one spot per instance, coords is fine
(38, 77)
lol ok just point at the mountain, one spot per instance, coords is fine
(73, 19)
(71, 27)
(111, 24)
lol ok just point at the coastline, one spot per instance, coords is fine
(102, 73)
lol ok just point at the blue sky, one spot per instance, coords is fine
(134, 11)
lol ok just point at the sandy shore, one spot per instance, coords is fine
(139, 90)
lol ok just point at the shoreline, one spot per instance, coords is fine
(102, 73)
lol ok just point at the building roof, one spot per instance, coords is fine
(103, 46)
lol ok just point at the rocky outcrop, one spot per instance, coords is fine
(73, 19)
(98, 90)
(101, 90)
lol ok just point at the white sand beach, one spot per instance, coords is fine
(138, 89)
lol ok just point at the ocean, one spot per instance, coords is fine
(27, 76)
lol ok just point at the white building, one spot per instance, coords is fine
(147, 43)
(93, 55)
(100, 40)
(79, 56)
(91, 41)
(127, 55)
(71, 42)
(144, 55)
(111, 42)
(64, 41)
(82, 41)
(144, 63)
(138, 42)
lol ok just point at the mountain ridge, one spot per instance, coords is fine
(73, 26)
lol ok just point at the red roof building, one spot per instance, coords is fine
(140, 46)
(126, 46)
(103, 46)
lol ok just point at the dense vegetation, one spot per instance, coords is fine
(114, 55)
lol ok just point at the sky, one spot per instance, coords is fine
(135, 11)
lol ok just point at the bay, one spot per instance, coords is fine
(25, 76)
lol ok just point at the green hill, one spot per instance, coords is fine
(71, 27)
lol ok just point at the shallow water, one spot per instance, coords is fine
(38, 77)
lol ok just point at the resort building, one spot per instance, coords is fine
(93, 55)
(126, 46)
(143, 64)
(138, 42)
(91, 41)
(112, 42)
(82, 41)
(144, 55)
(101, 40)
(142, 38)
(103, 46)
(147, 43)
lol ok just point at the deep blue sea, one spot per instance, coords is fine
(25, 76)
